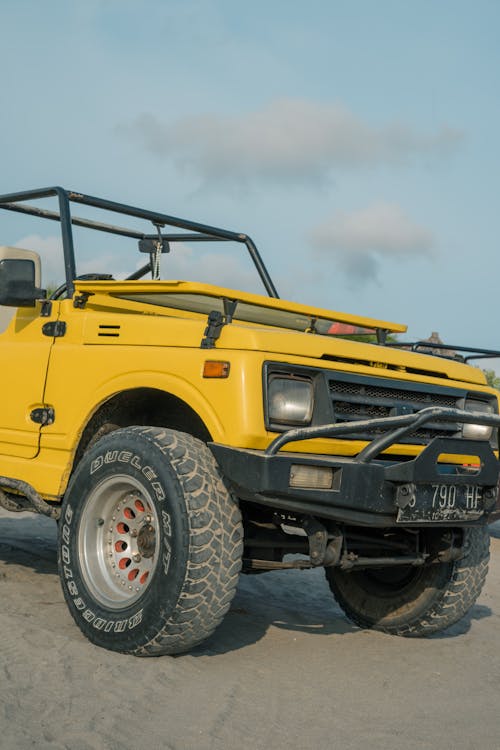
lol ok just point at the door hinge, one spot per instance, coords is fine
(55, 328)
(43, 415)
(216, 321)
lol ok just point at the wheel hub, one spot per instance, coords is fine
(132, 538)
(119, 548)
(146, 540)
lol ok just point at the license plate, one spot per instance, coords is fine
(443, 503)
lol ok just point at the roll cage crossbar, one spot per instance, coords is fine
(195, 232)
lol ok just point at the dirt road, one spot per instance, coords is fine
(285, 670)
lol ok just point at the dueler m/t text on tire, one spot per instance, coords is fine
(150, 542)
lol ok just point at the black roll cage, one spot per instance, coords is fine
(195, 232)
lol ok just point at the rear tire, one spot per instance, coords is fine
(150, 542)
(414, 601)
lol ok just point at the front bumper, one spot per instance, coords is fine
(367, 490)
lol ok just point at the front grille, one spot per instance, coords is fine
(363, 399)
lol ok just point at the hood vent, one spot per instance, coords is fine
(109, 331)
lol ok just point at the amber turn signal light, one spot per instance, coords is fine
(215, 369)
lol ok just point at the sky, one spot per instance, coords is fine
(356, 142)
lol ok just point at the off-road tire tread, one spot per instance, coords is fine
(208, 530)
(451, 603)
(215, 540)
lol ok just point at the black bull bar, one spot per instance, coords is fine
(369, 491)
(402, 426)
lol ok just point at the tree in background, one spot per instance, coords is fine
(492, 379)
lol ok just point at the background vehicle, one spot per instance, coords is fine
(181, 431)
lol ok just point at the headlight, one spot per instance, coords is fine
(290, 400)
(478, 431)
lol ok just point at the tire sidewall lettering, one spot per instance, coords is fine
(128, 457)
(158, 479)
(98, 622)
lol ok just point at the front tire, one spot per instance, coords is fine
(412, 601)
(150, 542)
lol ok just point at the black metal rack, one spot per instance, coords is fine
(195, 232)
(473, 352)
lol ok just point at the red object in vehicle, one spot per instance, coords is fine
(345, 328)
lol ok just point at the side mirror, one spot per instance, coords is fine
(19, 277)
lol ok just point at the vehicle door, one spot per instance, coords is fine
(26, 339)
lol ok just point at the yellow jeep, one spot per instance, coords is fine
(182, 432)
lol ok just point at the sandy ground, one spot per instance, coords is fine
(285, 670)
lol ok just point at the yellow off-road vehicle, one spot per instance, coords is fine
(181, 432)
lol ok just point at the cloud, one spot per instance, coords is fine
(222, 269)
(287, 141)
(361, 240)
(52, 260)
(51, 254)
